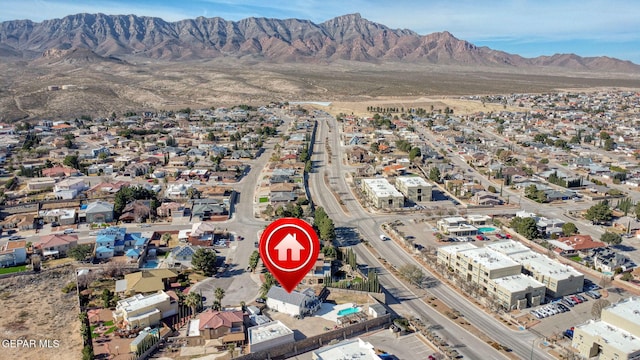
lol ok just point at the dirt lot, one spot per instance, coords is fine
(34, 308)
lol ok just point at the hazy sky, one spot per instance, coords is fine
(526, 27)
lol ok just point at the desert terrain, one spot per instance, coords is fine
(35, 308)
(101, 87)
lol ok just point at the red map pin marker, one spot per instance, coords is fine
(289, 248)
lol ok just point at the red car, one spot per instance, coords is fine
(508, 236)
(479, 237)
(499, 236)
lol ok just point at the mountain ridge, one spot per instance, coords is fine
(347, 37)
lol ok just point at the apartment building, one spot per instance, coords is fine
(559, 279)
(616, 336)
(495, 273)
(414, 188)
(382, 194)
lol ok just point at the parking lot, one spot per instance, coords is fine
(555, 324)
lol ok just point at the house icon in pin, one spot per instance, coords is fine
(289, 243)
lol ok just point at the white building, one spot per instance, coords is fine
(142, 311)
(414, 188)
(348, 349)
(269, 335)
(456, 226)
(382, 194)
(615, 336)
(295, 303)
(559, 279)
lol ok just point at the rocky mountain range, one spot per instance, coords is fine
(348, 37)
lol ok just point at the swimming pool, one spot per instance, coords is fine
(486, 229)
(348, 311)
(150, 264)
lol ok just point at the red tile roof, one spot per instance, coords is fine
(581, 242)
(211, 319)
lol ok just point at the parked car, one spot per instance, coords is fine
(508, 236)
(384, 238)
(260, 300)
(499, 236)
(14, 237)
(479, 237)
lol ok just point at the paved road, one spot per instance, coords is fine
(412, 304)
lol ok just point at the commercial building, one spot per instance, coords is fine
(456, 226)
(615, 336)
(269, 335)
(145, 310)
(559, 279)
(414, 188)
(493, 272)
(382, 194)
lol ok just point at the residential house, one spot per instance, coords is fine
(181, 255)
(320, 271)
(136, 211)
(202, 233)
(59, 216)
(486, 198)
(575, 245)
(56, 245)
(58, 172)
(268, 336)
(205, 211)
(170, 209)
(140, 311)
(13, 253)
(24, 221)
(38, 184)
(227, 326)
(97, 212)
(549, 227)
(295, 303)
(146, 281)
(178, 190)
(69, 188)
(607, 260)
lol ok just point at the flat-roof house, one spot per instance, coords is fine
(140, 311)
(268, 336)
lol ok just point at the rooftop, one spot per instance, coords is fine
(268, 331)
(382, 187)
(517, 283)
(454, 249)
(489, 258)
(627, 309)
(544, 265)
(140, 301)
(412, 181)
(508, 247)
(614, 336)
(355, 349)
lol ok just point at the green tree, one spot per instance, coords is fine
(204, 260)
(193, 301)
(80, 252)
(72, 161)
(412, 273)
(569, 229)
(414, 153)
(68, 141)
(611, 238)
(434, 174)
(254, 259)
(525, 227)
(107, 297)
(609, 144)
(599, 213)
(219, 294)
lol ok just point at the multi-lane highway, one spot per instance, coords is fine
(369, 227)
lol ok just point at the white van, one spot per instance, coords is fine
(69, 231)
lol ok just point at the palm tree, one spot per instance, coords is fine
(193, 300)
(216, 305)
(219, 294)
